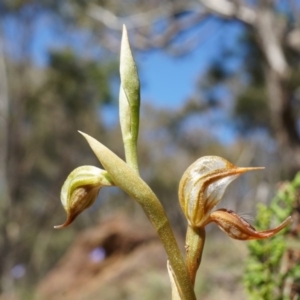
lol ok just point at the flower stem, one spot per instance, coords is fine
(195, 239)
(130, 147)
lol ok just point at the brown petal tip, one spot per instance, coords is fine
(61, 226)
(284, 224)
(69, 220)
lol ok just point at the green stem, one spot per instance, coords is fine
(168, 240)
(130, 148)
(195, 239)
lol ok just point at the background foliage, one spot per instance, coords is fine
(272, 270)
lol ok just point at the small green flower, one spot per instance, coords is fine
(80, 190)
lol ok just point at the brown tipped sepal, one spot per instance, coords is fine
(80, 190)
(238, 228)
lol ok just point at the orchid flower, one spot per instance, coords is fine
(80, 190)
(202, 187)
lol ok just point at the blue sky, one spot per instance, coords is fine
(167, 81)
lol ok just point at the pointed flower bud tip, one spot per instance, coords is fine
(203, 185)
(81, 189)
(238, 228)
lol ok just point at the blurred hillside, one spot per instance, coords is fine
(245, 108)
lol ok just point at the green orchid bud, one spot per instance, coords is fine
(129, 91)
(129, 102)
(203, 185)
(80, 190)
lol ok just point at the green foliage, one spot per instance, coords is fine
(267, 269)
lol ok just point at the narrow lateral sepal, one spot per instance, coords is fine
(238, 228)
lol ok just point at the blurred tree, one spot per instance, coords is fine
(269, 72)
(41, 109)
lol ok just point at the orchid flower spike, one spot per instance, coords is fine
(80, 190)
(202, 187)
